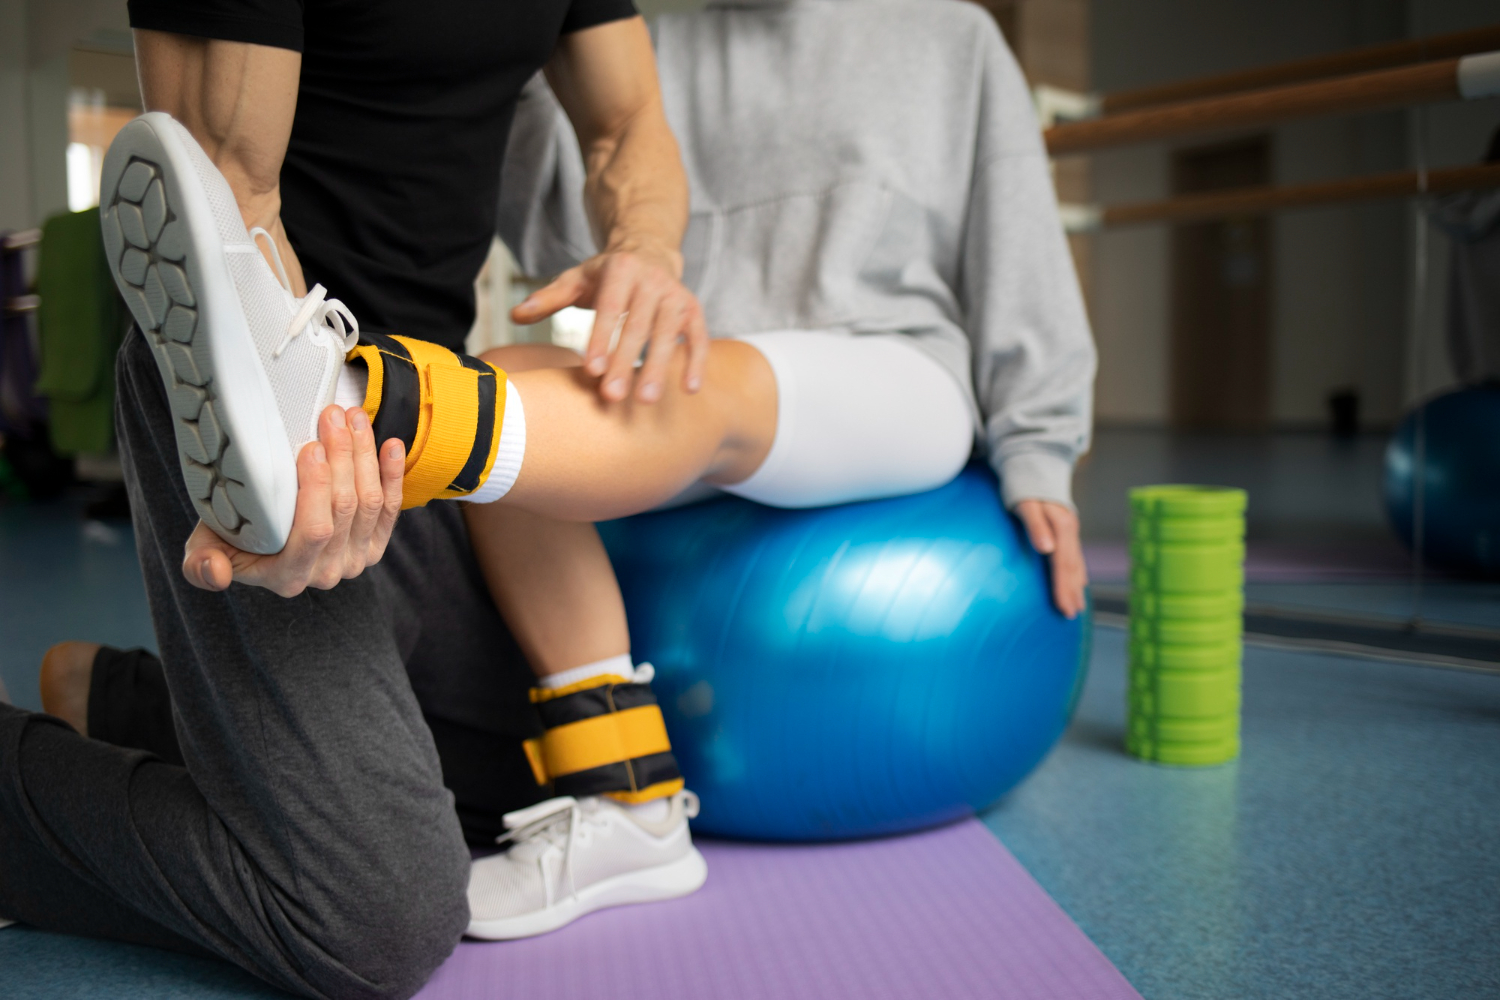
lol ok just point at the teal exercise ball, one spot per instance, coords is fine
(1460, 461)
(849, 671)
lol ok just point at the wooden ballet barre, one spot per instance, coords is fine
(1362, 60)
(1260, 200)
(1466, 77)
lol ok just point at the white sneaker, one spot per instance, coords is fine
(573, 856)
(247, 366)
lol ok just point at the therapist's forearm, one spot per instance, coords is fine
(637, 190)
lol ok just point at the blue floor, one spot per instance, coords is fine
(64, 577)
(38, 966)
(1354, 851)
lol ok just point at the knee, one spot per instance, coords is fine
(948, 434)
(734, 365)
(398, 926)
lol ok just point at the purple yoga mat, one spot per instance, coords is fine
(944, 914)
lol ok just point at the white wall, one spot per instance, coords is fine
(1343, 280)
(15, 156)
(35, 38)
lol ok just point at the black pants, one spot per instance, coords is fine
(130, 706)
(307, 834)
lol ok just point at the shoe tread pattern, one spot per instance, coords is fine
(147, 247)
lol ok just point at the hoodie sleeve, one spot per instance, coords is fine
(542, 217)
(1034, 356)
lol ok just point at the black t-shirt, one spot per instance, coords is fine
(392, 176)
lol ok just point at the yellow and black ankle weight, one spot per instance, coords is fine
(604, 736)
(446, 408)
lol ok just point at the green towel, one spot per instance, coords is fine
(80, 323)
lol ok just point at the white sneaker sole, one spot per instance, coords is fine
(649, 885)
(168, 260)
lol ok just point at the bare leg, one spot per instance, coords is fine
(67, 669)
(589, 460)
(551, 579)
(554, 586)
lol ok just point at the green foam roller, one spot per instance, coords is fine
(1185, 631)
(1211, 530)
(1190, 571)
(1187, 555)
(1187, 501)
(1187, 568)
(1174, 730)
(1186, 656)
(1149, 603)
(1184, 754)
(1184, 694)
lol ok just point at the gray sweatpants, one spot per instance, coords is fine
(309, 838)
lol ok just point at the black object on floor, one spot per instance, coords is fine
(1343, 407)
(112, 503)
(43, 472)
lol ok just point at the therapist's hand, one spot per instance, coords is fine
(1053, 529)
(348, 499)
(636, 290)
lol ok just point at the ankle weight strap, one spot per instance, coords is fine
(604, 736)
(446, 408)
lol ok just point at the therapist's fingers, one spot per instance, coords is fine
(611, 301)
(207, 560)
(639, 320)
(368, 490)
(392, 476)
(665, 331)
(696, 334)
(563, 291)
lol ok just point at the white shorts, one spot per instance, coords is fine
(858, 416)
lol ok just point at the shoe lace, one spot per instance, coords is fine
(556, 826)
(315, 310)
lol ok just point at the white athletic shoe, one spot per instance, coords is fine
(573, 856)
(247, 366)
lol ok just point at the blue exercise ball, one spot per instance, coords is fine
(849, 671)
(1461, 488)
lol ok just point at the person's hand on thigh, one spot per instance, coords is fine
(637, 198)
(635, 293)
(1053, 530)
(348, 498)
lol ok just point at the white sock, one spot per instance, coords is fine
(650, 812)
(354, 380)
(620, 666)
(653, 811)
(508, 454)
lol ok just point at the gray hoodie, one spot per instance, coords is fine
(868, 165)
